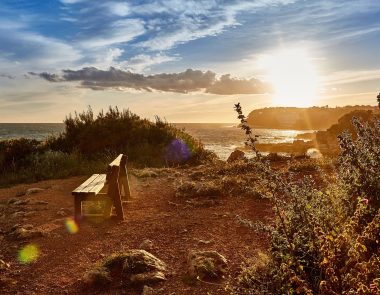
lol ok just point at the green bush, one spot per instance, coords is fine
(146, 143)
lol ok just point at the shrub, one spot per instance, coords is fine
(146, 143)
(326, 239)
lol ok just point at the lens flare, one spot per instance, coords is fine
(71, 226)
(177, 152)
(28, 254)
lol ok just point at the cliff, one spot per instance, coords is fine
(314, 118)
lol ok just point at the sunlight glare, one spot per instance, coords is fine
(293, 76)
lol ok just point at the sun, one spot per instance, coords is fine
(293, 76)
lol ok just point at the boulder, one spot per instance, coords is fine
(236, 155)
(137, 267)
(206, 265)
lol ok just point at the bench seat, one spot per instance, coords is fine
(91, 186)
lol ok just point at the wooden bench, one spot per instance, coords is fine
(115, 184)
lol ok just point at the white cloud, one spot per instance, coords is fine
(118, 8)
(120, 31)
(143, 62)
(192, 20)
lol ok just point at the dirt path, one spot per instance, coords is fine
(173, 225)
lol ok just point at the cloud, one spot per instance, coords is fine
(120, 31)
(7, 76)
(183, 82)
(118, 8)
(227, 85)
(144, 62)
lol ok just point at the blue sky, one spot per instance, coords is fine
(341, 40)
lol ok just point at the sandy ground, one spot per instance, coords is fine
(173, 225)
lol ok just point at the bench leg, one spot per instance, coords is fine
(124, 183)
(78, 208)
(114, 194)
(107, 208)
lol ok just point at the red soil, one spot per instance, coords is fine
(174, 226)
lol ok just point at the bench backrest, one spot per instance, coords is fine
(117, 174)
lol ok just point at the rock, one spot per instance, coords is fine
(21, 202)
(141, 261)
(64, 212)
(136, 266)
(146, 245)
(236, 155)
(204, 242)
(206, 265)
(35, 190)
(21, 233)
(4, 265)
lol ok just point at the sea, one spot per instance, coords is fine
(221, 138)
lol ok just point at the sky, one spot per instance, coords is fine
(186, 61)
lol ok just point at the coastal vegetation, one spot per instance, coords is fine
(89, 141)
(325, 239)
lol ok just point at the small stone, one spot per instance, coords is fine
(41, 203)
(21, 202)
(4, 265)
(146, 245)
(22, 234)
(33, 191)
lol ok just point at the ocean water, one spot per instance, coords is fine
(222, 138)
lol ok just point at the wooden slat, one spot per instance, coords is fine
(117, 161)
(85, 184)
(93, 185)
(97, 185)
